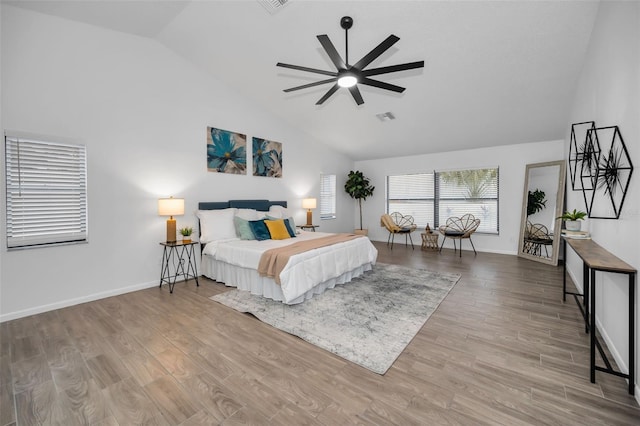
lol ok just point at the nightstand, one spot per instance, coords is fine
(312, 227)
(178, 259)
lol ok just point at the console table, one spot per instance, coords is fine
(595, 258)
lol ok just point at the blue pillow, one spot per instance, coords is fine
(260, 230)
(290, 229)
(243, 229)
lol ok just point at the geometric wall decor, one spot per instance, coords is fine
(267, 158)
(610, 178)
(584, 152)
(226, 151)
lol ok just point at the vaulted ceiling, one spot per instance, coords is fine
(496, 72)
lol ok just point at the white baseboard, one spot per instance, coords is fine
(76, 301)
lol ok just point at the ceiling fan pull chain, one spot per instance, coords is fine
(346, 47)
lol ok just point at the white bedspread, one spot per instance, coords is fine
(304, 271)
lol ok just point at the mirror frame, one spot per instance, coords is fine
(559, 207)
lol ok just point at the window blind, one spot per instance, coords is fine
(46, 187)
(433, 197)
(412, 195)
(327, 196)
(472, 191)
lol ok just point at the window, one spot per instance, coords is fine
(412, 195)
(46, 186)
(470, 191)
(433, 197)
(327, 196)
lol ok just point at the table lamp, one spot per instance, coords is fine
(309, 203)
(170, 207)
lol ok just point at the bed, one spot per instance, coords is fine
(230, 257)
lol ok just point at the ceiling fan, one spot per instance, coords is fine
(350, 75)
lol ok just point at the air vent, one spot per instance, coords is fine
(386, 116)
(273, 6)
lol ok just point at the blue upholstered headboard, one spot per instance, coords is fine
(260, 205)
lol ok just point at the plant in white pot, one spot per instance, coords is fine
(186, 233)
(358, 187)
(572, 219)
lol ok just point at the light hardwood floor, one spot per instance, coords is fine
(502, 348)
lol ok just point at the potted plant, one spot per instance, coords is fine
(359, 188)
(571, 219)
(186, 234)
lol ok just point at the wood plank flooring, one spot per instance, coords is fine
(501, 349)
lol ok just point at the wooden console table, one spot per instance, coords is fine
(595, 258)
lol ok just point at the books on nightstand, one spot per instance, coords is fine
(584, 235)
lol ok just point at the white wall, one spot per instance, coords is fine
(511, 160)
(142, 112)
(609, 94)
(2, 186)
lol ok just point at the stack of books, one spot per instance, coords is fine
(584, 235)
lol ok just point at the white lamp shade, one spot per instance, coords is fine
(170, 206)
(309, 203)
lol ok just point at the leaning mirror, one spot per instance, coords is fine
(542, 203)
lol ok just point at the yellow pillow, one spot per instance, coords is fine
(277, 229)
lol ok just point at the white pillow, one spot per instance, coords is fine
(216, 225)
(247, 214)
(279, 212)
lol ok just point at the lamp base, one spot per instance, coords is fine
(309, 217)
(171, 230)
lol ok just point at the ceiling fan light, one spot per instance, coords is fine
(347, 80)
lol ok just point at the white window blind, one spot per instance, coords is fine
(431, 198)
(46, 185)
(327, 196)
(472, 191)
(412, 195)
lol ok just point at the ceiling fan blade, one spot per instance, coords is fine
(381, 85)
(314, 70)
(306, 86)
(328, 94)
(393, 68)
(331, 51)
(355, 92)
(377, 51)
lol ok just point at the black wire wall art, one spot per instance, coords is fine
(612, 174)
(584, 154)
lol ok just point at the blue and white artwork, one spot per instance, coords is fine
(267, 158)
(226, 151)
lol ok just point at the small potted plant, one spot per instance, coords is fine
(571, 219)
(186, 234)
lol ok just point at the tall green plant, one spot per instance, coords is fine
(358, 187)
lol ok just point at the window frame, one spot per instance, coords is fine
(45, 193)
(331, 193)
(438, 200)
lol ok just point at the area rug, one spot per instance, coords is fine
(368, 321)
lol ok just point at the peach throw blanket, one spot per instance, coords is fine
(274, 260)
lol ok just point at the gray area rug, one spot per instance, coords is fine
(368, 321)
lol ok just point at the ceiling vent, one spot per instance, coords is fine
(386, 116)
(273, 6)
